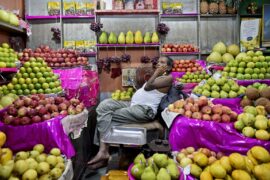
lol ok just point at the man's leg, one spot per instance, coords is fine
(105, 111)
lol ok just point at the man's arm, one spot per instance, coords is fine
(154, 83)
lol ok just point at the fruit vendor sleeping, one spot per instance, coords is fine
(142, 108)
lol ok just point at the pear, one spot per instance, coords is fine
(173, 171)
(161, 160)
(6, 156)
(147, 38)
(60, 166)
(163, 175)
(39, 148)
(55, 173)
(60, 159)
(140, 159)
(51, 160)
(129, 38)
(103, 38)
(20, 166)
(121, 38)
(138, 37)
(154, 38)
(55, 152)
(22, 155)
(13, 178)
(137, 170)
(148, 174)
(32, 164)
(5, 170)
(45, 177)
(30, 175)
(43, 168)
(34, 154)
(170, 161)
(41, 158)
(112, 38)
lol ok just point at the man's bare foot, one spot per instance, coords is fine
(98, 164)
(101, 156)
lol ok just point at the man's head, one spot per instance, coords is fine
(165, 61)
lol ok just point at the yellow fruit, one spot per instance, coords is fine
(195, 170)
(249, 164)
(250, 157)
(201, 159)
(237, 161)
(225, 163)
(207, 169)
(3, 138)
(6, 155)
(260, 154)
(217, 171)
(206, 176)
(262, 172)
(228, 177)
(240, 175)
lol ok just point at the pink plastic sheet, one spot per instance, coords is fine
(219, 137)
(49, 133)
(250, 82)
(233, 103)
(80, 83)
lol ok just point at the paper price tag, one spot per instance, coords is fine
(202, 82)
(217, 76)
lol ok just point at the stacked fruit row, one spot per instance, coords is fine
(250, 65)
(9, 17)
(33, 78)
(194, 77)
(34, 164)
(38, 108)
(220, 88)
(205, 164)
(258, 95)
(54, 58)
(186, 66)
(203, 109)
(129, 38)
(7, 56)
(254, 123)
(158, 166)
(123, 95)
(179, 48)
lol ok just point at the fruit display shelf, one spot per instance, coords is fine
(8, 70)
(127, 12)
(129, 45)
(28, 17)
(218, 15)
(179, 15)
(10, 28)
(180, 53)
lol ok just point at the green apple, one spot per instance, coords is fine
(28, 70)
(26, 92)
(33, 91)
(48, 91)
(254, 76)
(26, 64)
(36, 69)
(239, 76)
(10, 86)
(250, 64)
(24, 86)
(261, 58)
(28, 81)
(20, 92)
(25, 75)
(242, 64)
(256, 70)
(17, 86)
(21, 80)
(40, 91)
(267, 76)
(261, 76)
(250, 53)
(226, 69)
(14, 80)
(32, 59)
(255, 59)
(32, 75)
(231, 74)
(263, 70)
(37, 86)
(41, 80)
(22, 70)
(248, 71)
(258, 64)
(258, 53)
(233, 69)
(240, 70)
(19, 75)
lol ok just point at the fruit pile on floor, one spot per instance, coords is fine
(203, 109)
(38, 108)
(253, 122)
(35, 77)
(220, 88)
(129, 38)
(194, 77)
(254, 165)
(7, 56)
(123, 95)
(28, 165)
(257, 95)
(158, 166)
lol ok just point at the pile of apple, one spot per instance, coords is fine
(203, 109)
(35, 77)
(194, 77)
(179, 48)
(186, 66)
(38, 108)
(220, 88)
(54, 58)
(7, 56)
(124, 95)
(250, 65)
(34, 164)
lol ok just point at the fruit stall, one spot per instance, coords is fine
(59, 59)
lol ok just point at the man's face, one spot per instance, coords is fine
(162, 62)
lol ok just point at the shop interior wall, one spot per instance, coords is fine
(11, 5)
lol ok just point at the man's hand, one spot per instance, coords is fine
(160, 70)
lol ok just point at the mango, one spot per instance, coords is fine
(240, 175)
